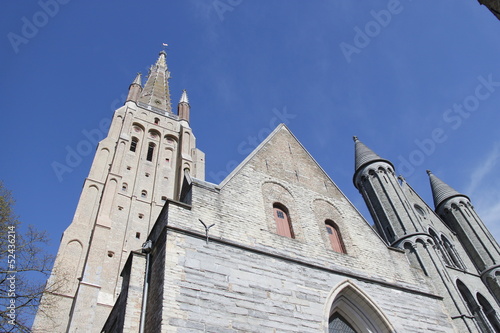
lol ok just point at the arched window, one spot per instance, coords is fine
(283, 225)
(124, 187)
(133, 144)
(144, 194)
(451, 252)
(474, 308)
(489, 312)
(334, 237)
(439, 248)
(151, 150)
(157, 121)
(413, 256)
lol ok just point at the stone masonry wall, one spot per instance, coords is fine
(271, 283)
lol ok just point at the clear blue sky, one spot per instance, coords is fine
(389, 72)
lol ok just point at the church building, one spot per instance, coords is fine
(275, 247)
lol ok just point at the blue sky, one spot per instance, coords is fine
(394, 73)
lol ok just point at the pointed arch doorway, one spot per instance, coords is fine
(350, 310)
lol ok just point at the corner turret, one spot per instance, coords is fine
(364, 156)
(375, 179)
(441, 191)
(458, 213)
(183, 108)
(135, 89)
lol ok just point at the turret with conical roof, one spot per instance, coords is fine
(135, 89)
(375, 179)
(183, 107)
(441, 191)
(364, 156)
(458, 213)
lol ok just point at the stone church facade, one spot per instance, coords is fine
(275, 247)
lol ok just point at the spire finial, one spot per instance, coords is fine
(355, 138)
(137, 79)
(183, 108)
(163, 51)
(428, 172)
(184, 97)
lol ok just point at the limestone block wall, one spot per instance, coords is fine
(223, 288)
(126, 313)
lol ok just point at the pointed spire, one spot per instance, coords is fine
(135, 88)
(364, 155)
(441, 191)
(156, 91)
(184, 97)
(138, 79)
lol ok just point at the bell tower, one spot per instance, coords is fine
(141, 163)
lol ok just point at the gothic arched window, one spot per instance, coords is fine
(133, 144)
(334, 236)
(352, 311)
(282, 219)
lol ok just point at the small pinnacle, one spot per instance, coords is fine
(400, 177)
(428, 172)
(184, 97)
(137, 79)
(355, 138)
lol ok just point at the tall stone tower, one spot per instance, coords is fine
(458, 213)
(454, 256)
(144, 160)
(375, 179)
